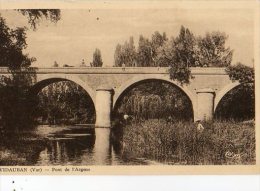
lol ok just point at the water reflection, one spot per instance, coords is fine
(67, 150)
(75, 146)
(102, 148)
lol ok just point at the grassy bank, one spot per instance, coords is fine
(181, 143)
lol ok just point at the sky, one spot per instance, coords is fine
(81, 31)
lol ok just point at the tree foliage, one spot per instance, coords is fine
(157, 41)
(34, 16)
(187, 50)
(12, 45)
(155, 100)
(13, 41)
(16, 110)
(239, 103)
(144, 53)
(65, 102)
(149, 49)
(144, 56)
(241, 73)
(125, 55)
(212, 51)
(97, 59)
(179, 53)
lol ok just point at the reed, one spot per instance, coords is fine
(220, 143)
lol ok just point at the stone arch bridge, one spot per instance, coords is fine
(105, 85)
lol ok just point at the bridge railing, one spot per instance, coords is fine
(111, 70)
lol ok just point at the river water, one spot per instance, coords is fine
(64, 145)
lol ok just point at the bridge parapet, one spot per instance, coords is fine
(120, 70)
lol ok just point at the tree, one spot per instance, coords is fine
(13, 43)
(184, 46)
(243, 74)
(144, 53)
(129, 53)
(179, 54)
(16, 111)
(118, 56)
(187, 51)
(125, 54)
(157, 41)
(97, 59)
(211, 50)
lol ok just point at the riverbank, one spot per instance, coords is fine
(180, 143)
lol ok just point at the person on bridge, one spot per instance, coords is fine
(123, 66)
(83, 64)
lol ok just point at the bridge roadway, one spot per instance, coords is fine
(106, 85)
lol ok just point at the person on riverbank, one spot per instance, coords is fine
(199, 125)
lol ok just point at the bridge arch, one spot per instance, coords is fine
(223, 92)
(45, 80)
(137, 80)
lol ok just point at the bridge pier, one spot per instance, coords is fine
(205, 101)
(103, 106)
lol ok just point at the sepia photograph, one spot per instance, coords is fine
(128, 84)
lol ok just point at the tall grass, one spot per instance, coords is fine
(181, 143)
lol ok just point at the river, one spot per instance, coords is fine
(64, 145)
